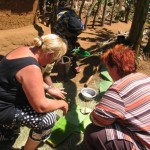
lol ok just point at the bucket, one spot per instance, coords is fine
(121, 39)
(63, 66)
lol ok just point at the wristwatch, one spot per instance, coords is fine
(49, 87)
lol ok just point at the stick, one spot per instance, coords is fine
(90, 78)
(88, 81)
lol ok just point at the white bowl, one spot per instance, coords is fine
(88, 93)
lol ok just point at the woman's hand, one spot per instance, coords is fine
(64, 107)
(57, 93)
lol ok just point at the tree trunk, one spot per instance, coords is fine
(96, 13)
(136, 31)
(147, 48)
(44, 10)
(83, 1)
(54, 14)
(112, 12)
(104, 10)
(127, 12)
(89, 12)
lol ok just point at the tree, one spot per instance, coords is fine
(136, 31)
(112, 12)
(96, 13)
(80, 11)
(127, 10)
(104, 11)
(54, 14)
(89, 12)
(147, 48)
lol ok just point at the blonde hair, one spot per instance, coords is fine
(52, 43)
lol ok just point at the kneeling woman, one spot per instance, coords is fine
(121, 120)
(22, 90)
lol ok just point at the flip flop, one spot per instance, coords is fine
(77, 69)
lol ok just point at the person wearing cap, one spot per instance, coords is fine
(68, 26)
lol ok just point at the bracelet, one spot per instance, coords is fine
(49, 87)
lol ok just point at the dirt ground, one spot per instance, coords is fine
(15, 14)
(89, 40)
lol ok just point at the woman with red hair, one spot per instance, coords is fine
(121, 120)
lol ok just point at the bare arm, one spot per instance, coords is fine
(32, 82)
(47, 79)
(53, 91)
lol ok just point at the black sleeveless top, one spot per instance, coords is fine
(11, 92)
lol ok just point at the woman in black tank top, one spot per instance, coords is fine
(22, 90)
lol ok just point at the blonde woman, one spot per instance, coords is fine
(22, 90)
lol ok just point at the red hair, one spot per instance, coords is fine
(122, 57)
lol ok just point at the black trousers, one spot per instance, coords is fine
(26, 116)
(95, 139)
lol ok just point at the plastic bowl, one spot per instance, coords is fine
(88, 93)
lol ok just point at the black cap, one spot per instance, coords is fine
(75, 24)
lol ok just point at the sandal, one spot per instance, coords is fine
(77, 69)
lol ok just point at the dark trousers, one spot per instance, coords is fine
(95, 139)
